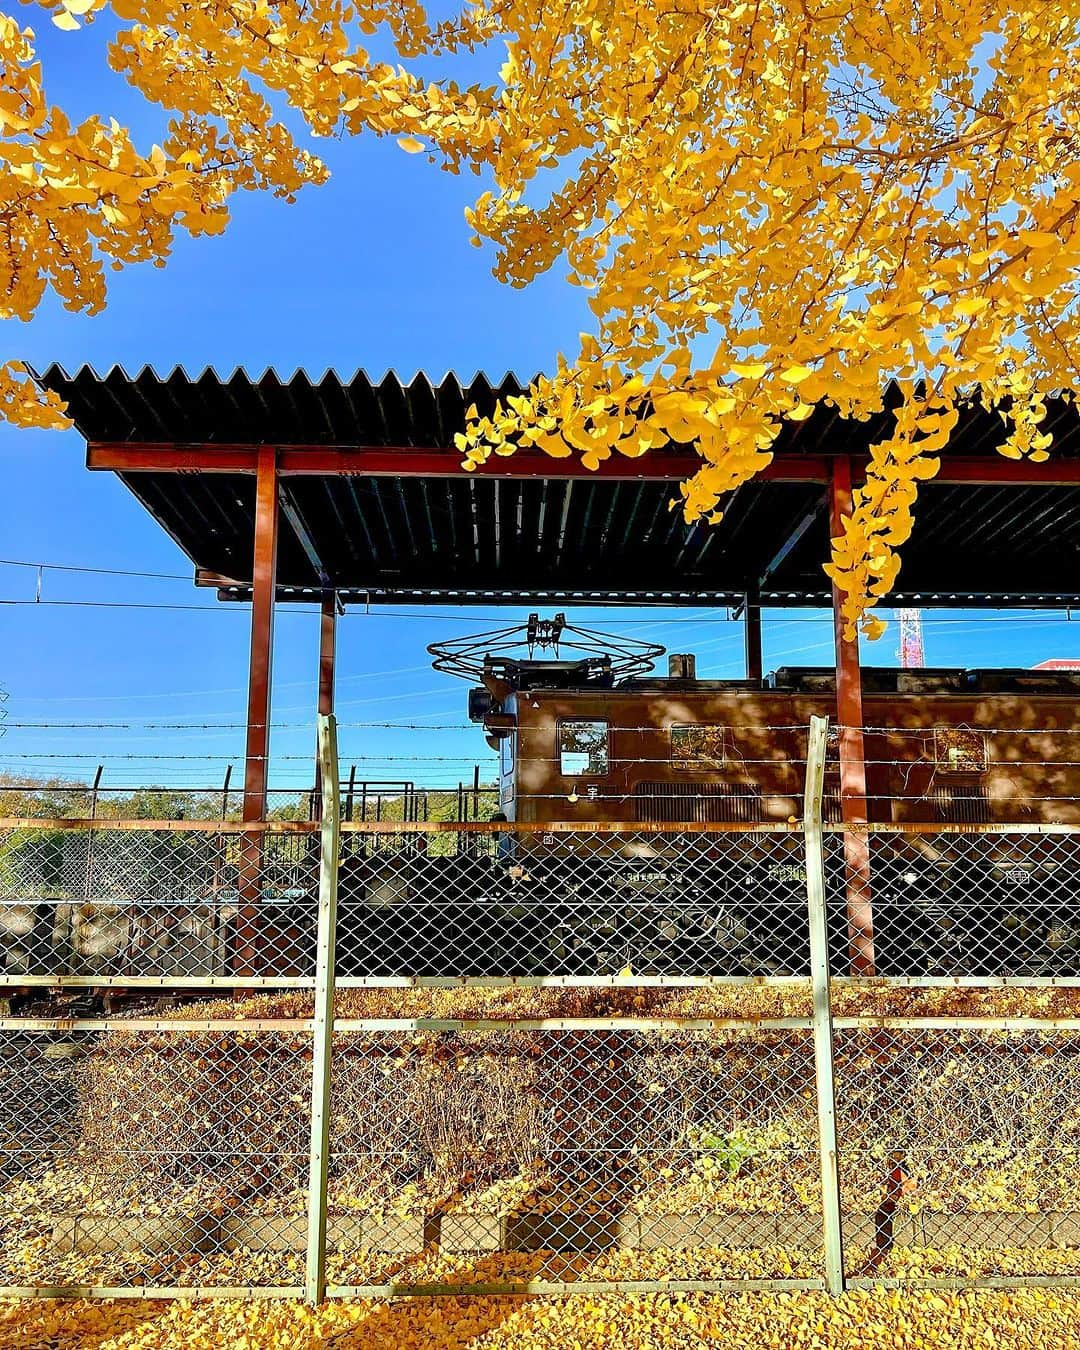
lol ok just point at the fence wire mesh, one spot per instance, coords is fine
(515, 1156)
(521, 1153)
(950, 903)
(174, 903)
(171, 1157)
(578, 903)
(959, 1150)
(174, 1156)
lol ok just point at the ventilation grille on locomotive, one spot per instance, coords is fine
(964, 804)
(701, 803)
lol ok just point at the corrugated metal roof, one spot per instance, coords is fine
(464, 539)
(207, 408)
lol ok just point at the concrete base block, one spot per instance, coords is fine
(287, 1233)
(708, 1229)
(985, 1230)
(396, 1234)
(569, 1231)
(264, 1233)
(151, 1233)
(798, 1229)
(1064, 1229)
(471, 1232)
(564, 1230)
(860, 1230)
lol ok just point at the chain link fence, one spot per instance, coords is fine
(192, 903)
(295, 1144)
(952, 902)
(141, 1156)
(959, 1150)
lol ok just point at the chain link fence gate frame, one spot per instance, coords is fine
(534, 1154)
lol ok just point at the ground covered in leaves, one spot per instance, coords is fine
(743, 1002)
(867, 1319)
(201, 1137)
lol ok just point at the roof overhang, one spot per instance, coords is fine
(376, 504)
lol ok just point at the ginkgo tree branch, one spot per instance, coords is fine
(828, 197)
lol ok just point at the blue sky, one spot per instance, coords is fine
(375, 271)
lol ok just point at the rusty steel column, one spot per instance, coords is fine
(263, 586)
(752, 635)
(327, 659)
(263, 590)
(849, 716)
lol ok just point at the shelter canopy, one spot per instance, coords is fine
(374, 503)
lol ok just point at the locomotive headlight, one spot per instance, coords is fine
(910, 878)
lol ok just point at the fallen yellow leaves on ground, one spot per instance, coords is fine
(743, 1002)
(867, 1319)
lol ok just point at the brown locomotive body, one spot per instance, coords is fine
(966, 749)
(995, 747)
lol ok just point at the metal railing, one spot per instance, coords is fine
(539, 1060)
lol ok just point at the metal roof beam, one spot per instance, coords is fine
(407, 461)
(780, 556)
(303, 534)
(929, 597)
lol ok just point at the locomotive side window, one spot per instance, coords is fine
(960, 750)
(583, 747)
(697, 746)
(507, 747)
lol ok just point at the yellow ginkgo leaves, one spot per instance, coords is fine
(710, 184)
(712, 181)
(875, 1319)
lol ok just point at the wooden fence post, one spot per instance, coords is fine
(323, 1029)
(823, 1029)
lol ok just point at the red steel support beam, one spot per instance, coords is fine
(752, 635)
(264, 586)
(327, 652)
(407, 461)
(849, 712)
(327, 655)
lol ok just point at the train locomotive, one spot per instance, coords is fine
(587, 734)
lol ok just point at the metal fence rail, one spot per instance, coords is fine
(328, 1154)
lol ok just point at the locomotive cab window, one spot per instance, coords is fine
(583, 747)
